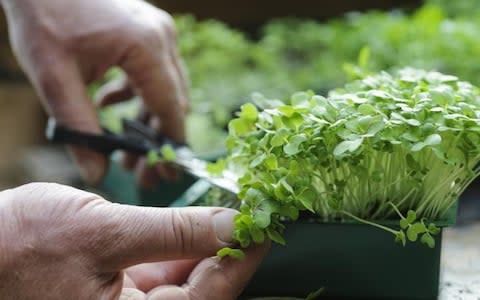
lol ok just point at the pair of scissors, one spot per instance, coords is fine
(137, 138)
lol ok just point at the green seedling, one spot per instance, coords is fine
(384, 147)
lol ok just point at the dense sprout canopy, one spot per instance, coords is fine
(382, 145)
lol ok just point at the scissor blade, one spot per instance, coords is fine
(198, 168)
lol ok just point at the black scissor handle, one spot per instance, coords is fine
(105, 143)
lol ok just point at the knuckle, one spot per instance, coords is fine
(183, 230)
(49, 75)
(152, 37)
(46, 211)
(156, 34)
(168, 24)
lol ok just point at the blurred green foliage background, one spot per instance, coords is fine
(226, 66)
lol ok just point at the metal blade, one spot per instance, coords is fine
(197, 167)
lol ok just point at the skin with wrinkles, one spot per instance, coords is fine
(58, 241)
(64, 45)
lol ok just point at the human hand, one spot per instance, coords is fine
(64, 45)
(61, 243)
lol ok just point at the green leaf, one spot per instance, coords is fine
(366, 109)
(433, 229)
(293, 122)
(275, 236)
(442, 95)
(217, 167)
(347, 146)
(300, 98)
(249, 112)
(287, 186)
(433, 139)
(271, 162)
(315, 295)
(287, 110)
(279, 138)
(246, 219)
(240, 127)
(428, 240)
(257, 235)
(307, 198)
(168, 153)
(152, 157)
(254, 195)
(290, 212)
(292, 147)
(414, 230)
(400, 238)
(363, 57)
(411, 216)
(234, 253)
(258, 160)
(262, 219)
(404, 223)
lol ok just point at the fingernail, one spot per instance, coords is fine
(223, 221)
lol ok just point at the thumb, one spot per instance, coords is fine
(131, 235)
(62, 90)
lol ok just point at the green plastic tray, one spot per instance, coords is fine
(351, 261)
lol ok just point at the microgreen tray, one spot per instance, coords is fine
(350, 260)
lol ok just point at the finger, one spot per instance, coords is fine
(132, 235)
(128, 282)
(129, 161)
(158, 84)
(62, 90)
(115, 91)
(168, 172)
(180, 68)
(148, 276)
(168, 23)
(132, 294)
(147, 175)
(215, 278)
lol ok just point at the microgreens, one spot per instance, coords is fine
(401, 146)
(217, 168)
(168, 153)
(165, 154)
(235, 253)
(299, 54)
